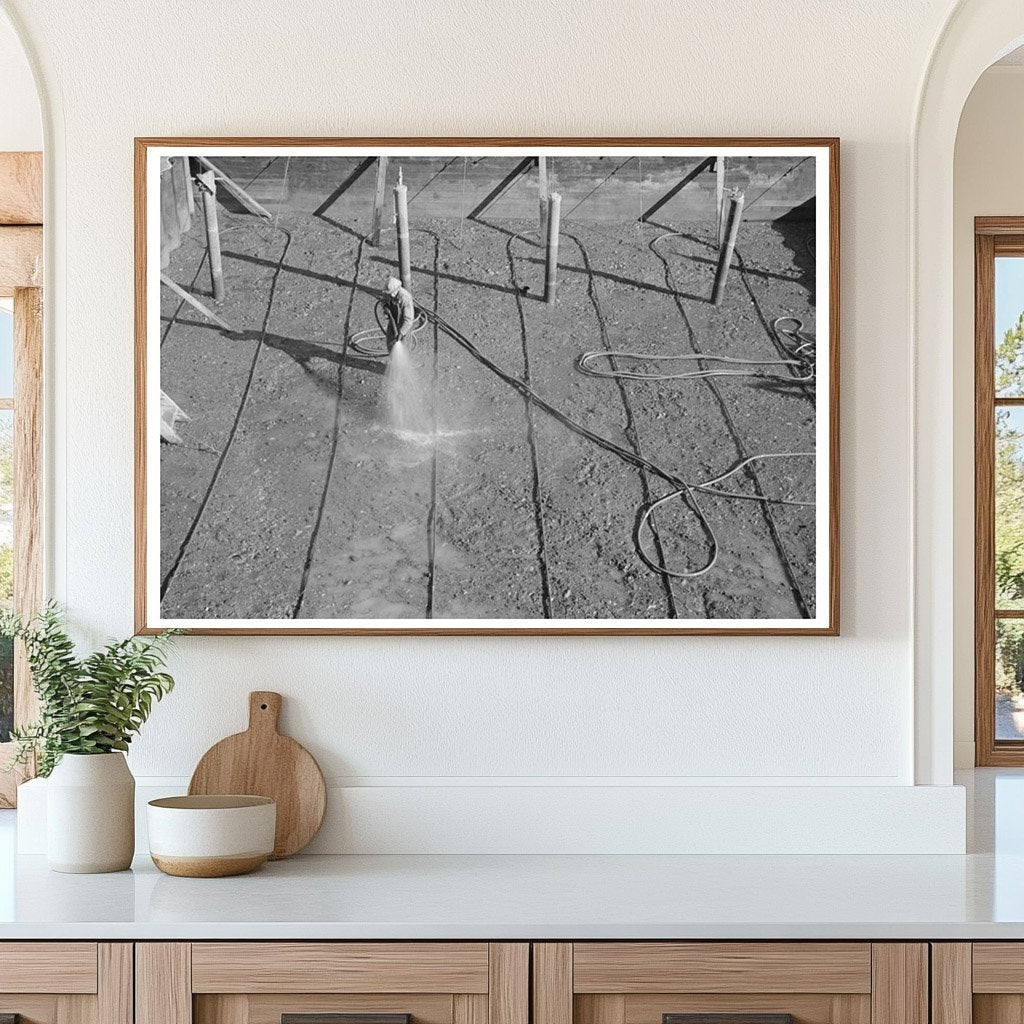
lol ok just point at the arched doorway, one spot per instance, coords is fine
(976, 34)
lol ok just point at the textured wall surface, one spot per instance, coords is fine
(696, 710)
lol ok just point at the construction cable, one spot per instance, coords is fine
(792, 339)
(789, 331)
(767, 508)
(681, 488)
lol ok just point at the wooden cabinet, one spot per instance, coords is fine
(310, 982)
(753, 982)
(978, 983)
(494, 983)
(66, 982)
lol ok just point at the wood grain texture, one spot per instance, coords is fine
(115, 995)
(227, 1009)
(806, 1008)
(208, 867)
(305, 967)
(998, 967)
(28, 504)
(21, 188)
(552, 983)
(65, 967)
(951, 983)
(999, 226)
(269, 1008)
(508, 993)
(633, 967)
(76, 1010)
(998, 1009)
(603, 1009)
(728, 1018)
(344, 1017)
(32, 1009)
(994, 237)
(1010, 245)
(144, 615)
(984, 501)
(21, 258)
(899, 989)
(28, 483)
(467, 1009)
(262, 762)
(163, 983)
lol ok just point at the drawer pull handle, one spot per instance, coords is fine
(340, 1018)
(727, 1018)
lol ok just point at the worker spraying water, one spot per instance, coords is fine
(403, 393)
(400, 312)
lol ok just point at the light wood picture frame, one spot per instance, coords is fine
(600, 397)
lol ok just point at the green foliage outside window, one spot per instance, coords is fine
(1009, 510)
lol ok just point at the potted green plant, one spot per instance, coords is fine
(90, 708)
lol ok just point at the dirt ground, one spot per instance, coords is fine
(290, 497)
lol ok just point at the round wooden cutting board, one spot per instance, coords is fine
(262, 762)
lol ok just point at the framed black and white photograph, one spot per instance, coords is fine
(487, 386)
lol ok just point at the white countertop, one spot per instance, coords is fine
(496, 897)
(977, 896)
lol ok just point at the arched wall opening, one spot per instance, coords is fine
(976, 35)
(989, 154)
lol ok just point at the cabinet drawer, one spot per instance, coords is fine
(634, 967)
(66, 982)
(340, 967)
(332, 983)
(981, 982)
(58, 967)
(730, 983)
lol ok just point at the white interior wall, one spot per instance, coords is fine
(21, 126)
(447, 714)
(988, 180)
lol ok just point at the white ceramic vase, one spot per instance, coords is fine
(90, 814)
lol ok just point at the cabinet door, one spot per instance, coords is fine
(980, 982)
(65, 983)
(730, 983)
(332, 983)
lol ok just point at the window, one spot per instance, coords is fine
(6, 510)
(999, 490)
(21, 365)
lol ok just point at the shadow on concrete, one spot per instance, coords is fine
(797, 230)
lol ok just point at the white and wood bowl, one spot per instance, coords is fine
(211, 836)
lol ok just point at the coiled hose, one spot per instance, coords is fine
(362, 341)
(797, 345)
(788, 330)
(681, 488)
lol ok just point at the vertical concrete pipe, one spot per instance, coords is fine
(732, 230)
(402, 224)
(551, 254)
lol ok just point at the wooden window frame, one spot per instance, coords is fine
(21, 278)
